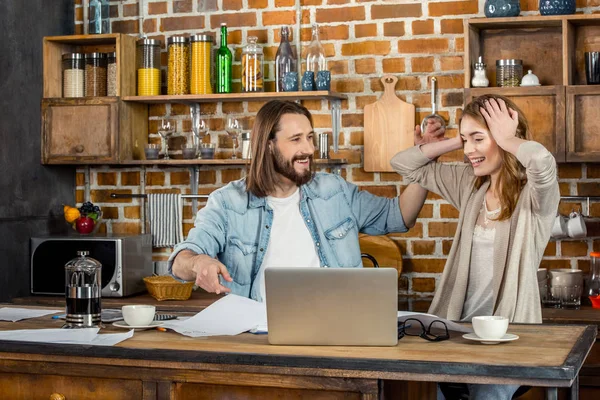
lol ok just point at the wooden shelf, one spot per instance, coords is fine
(211, 98)
(219, 161)
(514, 91)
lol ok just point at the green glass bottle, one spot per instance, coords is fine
(224, 61)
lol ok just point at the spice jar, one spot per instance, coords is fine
(509, 72)
(95, 74)
(73, 71)
(111, 74)
(479, 78)
(246, 146)
(148, 67)
(200, 80)
(179, 67)
(252, 66)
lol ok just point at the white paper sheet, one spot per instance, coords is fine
(15, 314)
(427, 318)
(230, 315)
(87, 336)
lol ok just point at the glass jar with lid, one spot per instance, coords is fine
(200, 76)
(179, 65)
(148, 67)
(111, 74)
(83, 281)
(73, 70)
(95, 74)
(252, 66)
(509, 72)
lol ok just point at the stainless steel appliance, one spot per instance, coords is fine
(125, 259)
(83, 275)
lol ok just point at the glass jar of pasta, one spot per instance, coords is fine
(200, 76)
(148, 67)
(252, 66)
(179, 65)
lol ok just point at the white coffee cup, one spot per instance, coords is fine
(138, 314)
(576, 226)
(559, 228)
(490, 326)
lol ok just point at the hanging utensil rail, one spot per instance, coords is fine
(144, 196)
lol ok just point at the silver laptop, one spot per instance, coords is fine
(332, 306)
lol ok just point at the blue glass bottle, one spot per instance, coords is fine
(98, 17)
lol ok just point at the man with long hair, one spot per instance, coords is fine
(284, 214)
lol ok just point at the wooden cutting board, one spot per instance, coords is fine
(389, 128)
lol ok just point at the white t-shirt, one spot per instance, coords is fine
(290, 243)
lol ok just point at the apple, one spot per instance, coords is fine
(84, 225)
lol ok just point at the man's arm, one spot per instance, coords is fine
(413, 197)
(202, 269)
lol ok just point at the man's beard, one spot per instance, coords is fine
(286, 168)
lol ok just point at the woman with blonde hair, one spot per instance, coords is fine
(507, 195)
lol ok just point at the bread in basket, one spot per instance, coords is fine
(166, 287)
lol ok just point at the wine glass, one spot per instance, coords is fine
(200, 128)
(166, 129)
(233, 129)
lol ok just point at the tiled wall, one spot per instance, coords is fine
(413, 40)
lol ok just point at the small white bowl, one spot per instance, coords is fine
(138, 314)
(490, 326)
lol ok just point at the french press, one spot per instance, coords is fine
(83, 281)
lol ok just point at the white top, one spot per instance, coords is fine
(290, 243)
(480, 292)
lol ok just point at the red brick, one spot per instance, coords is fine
(365, 30)
(79, 14)
(423, 285)
(365, 65)
(130, 178)
(207, 177)
(593, 171)
(181, 23)
(574, 248)
(232, 5)
(424, 27)
(149, 25)
(155, 178)
(131, 212)
(157, 8)
(110, 213)
(126, 227)
(337, 32)
(279, 3)
(453, 8)
(450, 81)
(229, 175)
(352, 120)
(448, 211)
(404, 83)
(340, 14)
(129, 26)
(359, 175)
(423, 247)
(452, 26)
(348, 85)
(393, 65)
(588, 188)
(423, 46)
(362, 101)
(426, 211)
(339, 67)
(309, 2)
(180, 178)
(394, 29)
(103, 196)
(396, 11)
(366, 48)
(236, 19)
(550, 249)
(442, 229)
(452, 63)
(357, 138)
(261, 4)
(554, 264)
(106, 178)
(384, 191)
(79, 179)
(130, 10)
(425, 265)
(182, 6)
(279, 17)
(422, 64)
(570, 171)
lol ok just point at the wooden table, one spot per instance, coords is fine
(166, 365)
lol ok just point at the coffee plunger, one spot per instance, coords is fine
(83, 281)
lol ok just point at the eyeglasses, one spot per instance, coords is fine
(414, 327)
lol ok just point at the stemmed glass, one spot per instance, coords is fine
(200, 128)
(233, 129)
(166, 129)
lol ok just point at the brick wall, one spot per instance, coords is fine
(363, 40)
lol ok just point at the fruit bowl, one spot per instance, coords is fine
(85, 219)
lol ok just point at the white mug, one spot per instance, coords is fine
(576, 226)
(559, 228)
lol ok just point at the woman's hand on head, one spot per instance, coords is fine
(502, 121)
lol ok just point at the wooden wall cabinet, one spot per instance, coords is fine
(563, 113)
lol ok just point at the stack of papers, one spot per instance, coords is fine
(426, 319)
(15, 314)
(87, 336)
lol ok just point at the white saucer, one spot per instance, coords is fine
(124, 325)
(506, 338)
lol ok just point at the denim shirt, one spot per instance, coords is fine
(234, 227)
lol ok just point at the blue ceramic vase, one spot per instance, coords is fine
(502, 8)
(290, 82)
(308, 81)
(323, 80)
(557, 7)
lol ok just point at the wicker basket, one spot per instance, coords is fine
(168, 288)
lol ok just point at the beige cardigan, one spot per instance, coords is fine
(518, 246)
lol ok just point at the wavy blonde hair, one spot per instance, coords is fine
(512, 175)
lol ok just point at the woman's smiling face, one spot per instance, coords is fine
(480, 147)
